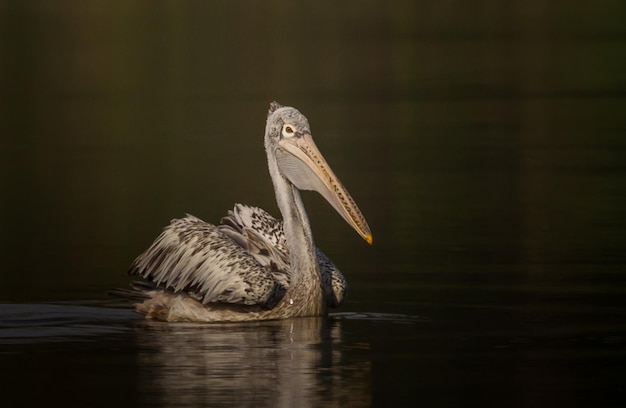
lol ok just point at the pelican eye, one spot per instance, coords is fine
(288, 131)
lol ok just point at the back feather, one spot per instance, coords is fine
(263, 237)
(244, 260)
(193, 256)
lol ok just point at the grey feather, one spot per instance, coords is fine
(263, 237)
(195, 257)
(244, 260)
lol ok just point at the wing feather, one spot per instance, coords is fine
(196, 257)
(263, 237)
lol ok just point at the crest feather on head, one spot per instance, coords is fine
(273, 106)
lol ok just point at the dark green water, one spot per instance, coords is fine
(484, 142)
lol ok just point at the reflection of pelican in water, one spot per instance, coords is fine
(252, 266)
(282, 363)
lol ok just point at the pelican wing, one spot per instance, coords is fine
(195, 257)
(262, 236)
(333, 282)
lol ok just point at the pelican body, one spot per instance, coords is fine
(251, 266)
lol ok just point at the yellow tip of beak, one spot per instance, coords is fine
(369, 238)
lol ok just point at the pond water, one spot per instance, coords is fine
(485, 144)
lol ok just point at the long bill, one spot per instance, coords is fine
(301, 162)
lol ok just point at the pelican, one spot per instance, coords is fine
(251, 266)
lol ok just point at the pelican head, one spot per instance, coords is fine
(288, 139)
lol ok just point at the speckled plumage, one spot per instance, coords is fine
(244, 260)
(195, 257)
(264, 238)
(251, 266)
